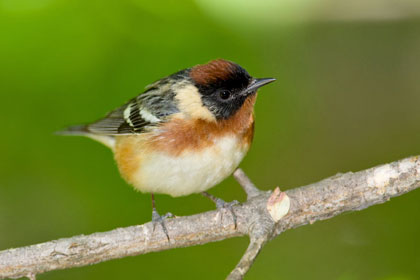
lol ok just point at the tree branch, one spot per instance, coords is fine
(259, 218)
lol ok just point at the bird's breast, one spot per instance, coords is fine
(189, 172)
(183, 157)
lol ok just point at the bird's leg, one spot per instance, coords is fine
(156, 218)
(221, 204)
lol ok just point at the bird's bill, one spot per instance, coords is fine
(257, 83)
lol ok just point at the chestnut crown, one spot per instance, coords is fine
(224, 86)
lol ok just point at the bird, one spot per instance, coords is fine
(184, 134)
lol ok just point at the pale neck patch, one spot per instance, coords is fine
(190, 104)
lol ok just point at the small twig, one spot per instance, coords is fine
(261, 229)
(247, 259)
(250, 189)
(260, 218)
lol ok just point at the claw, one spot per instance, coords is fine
(221, 204)
(156, 218)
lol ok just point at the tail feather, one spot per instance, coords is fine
(82, 130)
(74, 130)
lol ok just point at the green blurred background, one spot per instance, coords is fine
(347, 98)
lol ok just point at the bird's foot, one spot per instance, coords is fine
(223, 205)
(158, 219)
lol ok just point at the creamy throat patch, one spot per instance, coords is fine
(189, 102)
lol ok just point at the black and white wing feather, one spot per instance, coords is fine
(143, 112)
(137, 115)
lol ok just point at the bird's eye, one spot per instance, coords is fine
(224, 94)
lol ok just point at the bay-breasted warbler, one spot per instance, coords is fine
(185, 133)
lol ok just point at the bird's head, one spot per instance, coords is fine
(224, 86)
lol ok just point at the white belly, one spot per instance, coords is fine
(190, 172)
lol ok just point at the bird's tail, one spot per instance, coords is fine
(77, 130)
(82, 130)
